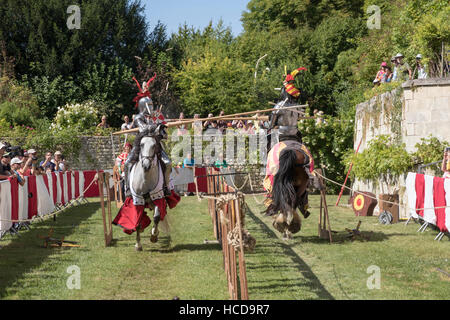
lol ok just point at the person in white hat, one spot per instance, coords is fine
(15, 166)
(421, 73)
(404, 71)
(59, 162)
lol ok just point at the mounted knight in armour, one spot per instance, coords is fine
(151, 123)
(290, 146)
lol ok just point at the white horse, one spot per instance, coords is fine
(144, 179)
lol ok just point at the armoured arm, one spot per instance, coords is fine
(141, 123)
(273, 120)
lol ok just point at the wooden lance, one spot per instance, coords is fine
(177, 123)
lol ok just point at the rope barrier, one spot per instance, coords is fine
(45, 217)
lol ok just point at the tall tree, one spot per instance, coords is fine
(37, 35)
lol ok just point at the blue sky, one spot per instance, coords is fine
(195, 13)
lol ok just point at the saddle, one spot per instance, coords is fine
(273, 160)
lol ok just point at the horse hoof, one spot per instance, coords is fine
(154, 238)
(138, 248)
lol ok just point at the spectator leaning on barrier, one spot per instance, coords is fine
(26, 166)
(197, 125)
(59, 162)
(421, 69)
(127, 124)
(47, 164)
(380, 74)
(103, 124)
(15, 166)
(395, 72)
(388, 74)
(35, 169)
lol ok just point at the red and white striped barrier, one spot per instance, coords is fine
(40, 195)
(429, 199)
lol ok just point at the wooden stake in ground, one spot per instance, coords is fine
(324, 220)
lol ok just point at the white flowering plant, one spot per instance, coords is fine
(80, 116)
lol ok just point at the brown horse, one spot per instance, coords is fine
(289, 192)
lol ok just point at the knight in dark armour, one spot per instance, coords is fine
(286, 121)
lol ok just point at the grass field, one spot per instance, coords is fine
(182, 265)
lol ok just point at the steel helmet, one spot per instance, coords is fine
(143, 103)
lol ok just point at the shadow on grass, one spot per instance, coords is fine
(26, 252)
(311, 283)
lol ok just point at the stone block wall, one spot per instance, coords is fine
(414, 111)
(97, 152)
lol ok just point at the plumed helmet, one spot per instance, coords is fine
(143, 103)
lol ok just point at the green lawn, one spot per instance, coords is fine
(182, 265)
(309, 268)
(178, 265)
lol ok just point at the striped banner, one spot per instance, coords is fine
(429, 199)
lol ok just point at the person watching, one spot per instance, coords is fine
(59, 162)
(15, 166)
(103, 124)
(5, 167)
(127, 124)
(47, 164)
(421, 72)
(404, 70)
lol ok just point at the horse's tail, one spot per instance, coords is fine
(283, 191)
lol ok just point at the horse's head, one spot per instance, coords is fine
(148, 151)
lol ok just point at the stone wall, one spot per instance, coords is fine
(97, 152)
(414, 111)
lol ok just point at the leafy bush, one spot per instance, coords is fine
(78, 116)
(52, 93)
(381, 160)
(429, 150)
(382, 88)
(328, 143)
(18, 106)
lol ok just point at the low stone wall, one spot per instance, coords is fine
(97, 152)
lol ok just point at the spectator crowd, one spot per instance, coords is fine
(400, 70)
(17, 163)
